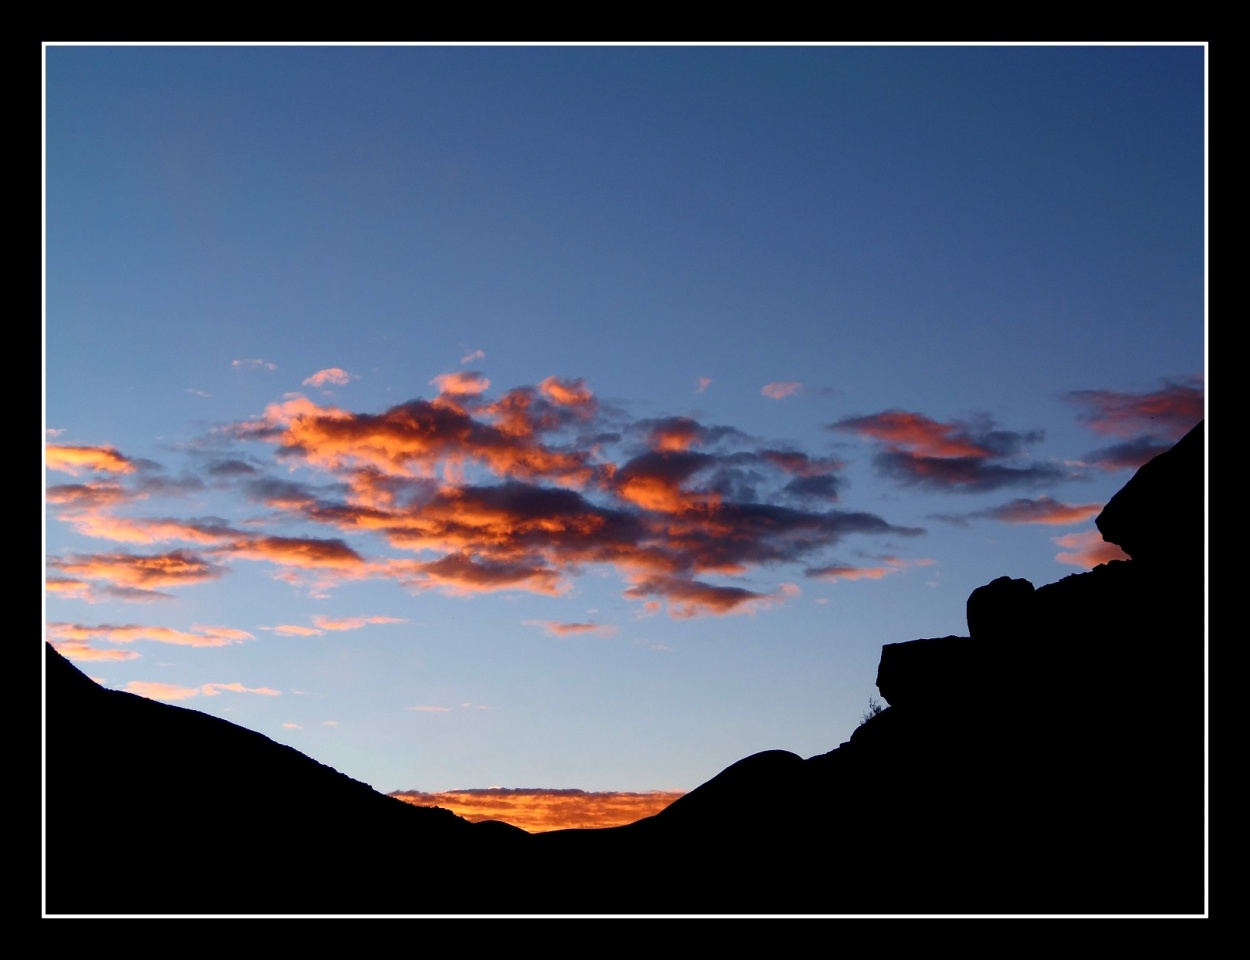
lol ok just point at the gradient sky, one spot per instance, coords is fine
(588, 418)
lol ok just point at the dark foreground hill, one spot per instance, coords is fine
(1051, 762)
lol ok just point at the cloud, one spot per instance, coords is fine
(254, 364)
(1128, 455)
(292, 630)
(692, 598)
(461, 383)
(292, 726)
(156, 690)
(1150, 423)
(473, 355)
(200, 635)
(73, 459)
(459, 575)
(1087, 549)
(567, 393)
(332, 375)
(781, 389)
(888, 565)
(1043, 510)
(556, 628)
(198, 393)
(81, 650)
(88, 496)
(311, 553)
(702, 384)
(1169, 413)
(537, 810)
(482, 493)
(424, 709)
(955, 456)
(352, 623)
(137, 572)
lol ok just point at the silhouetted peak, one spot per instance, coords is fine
(1157, 516)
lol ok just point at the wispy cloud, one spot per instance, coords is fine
(473, 355)
(142, 573)
(885, 567)
(1043, 510)
(461, 383)
(156, 690)
(1149, 423)
(537, 810)
(352, 623)
(199, 635)
(702, 384)
(779, 390)
(556, 628)
(82, 650)
(254, 364)
(1087, 549)
(427, 709)
(954, 456)
(75, 459)
(335, 376)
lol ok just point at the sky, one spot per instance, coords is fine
(559, 419)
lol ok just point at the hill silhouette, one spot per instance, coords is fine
(1050, 762)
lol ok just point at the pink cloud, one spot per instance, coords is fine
(461, 383)
(780, 389)
(1087, 549)
(333, 375)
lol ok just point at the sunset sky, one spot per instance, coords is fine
(587, 418)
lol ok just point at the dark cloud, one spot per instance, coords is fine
(1128, 455)
(1167, 414)
(1043, 510)
(955, 456)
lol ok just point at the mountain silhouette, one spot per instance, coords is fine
(1050, 762)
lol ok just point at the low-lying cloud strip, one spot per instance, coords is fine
(538, 810)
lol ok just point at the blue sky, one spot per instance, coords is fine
(799, 335)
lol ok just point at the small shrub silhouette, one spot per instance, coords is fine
(875, 707)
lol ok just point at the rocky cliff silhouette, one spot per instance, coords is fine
(1050, 762)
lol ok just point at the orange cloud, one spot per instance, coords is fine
(888, 566)
(74, 459)
(1044, 510)
(290, 630)
(538, 811)
(202, 636)
(1170, 412)
(555, 628)
(70, 589)
(88, 496)
(461, 383)
(333, 375)
(567, 393)
(917, 434)
(781, 389)
(1087, 549)
(304, 552)
(107, 526)
(352, 623)
(460, 575)
(693, 598)
(81, 650)
(156, 690)
(173, 569)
